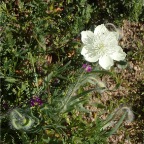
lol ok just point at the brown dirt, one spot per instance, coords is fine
(131, 90)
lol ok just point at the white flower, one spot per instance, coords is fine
(102, 46)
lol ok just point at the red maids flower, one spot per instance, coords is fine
(35, 101)
(87, 67)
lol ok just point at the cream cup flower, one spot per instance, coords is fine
(102, 46)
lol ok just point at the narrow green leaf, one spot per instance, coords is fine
(10, 79)
(101, 72)
(113, 130)
(46, 140)
(49, 77)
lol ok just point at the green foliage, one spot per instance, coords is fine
(111, 10)
(136, 10)
(31, 30)
(61, 118)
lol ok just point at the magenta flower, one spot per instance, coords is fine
(87, 67)
(35, 101)
(84, 66)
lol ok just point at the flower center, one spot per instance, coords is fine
(97, 49)
(101, 46)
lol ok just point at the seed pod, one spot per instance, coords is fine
(20, 121)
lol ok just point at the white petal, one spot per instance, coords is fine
(100, 30)
(110, 39)
(116, 34)
(87, 37)
(86, 55)
(118, 55)
(91, 59)
(106, 62)
(84, 51)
